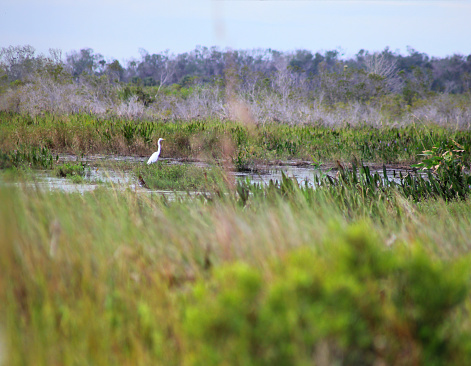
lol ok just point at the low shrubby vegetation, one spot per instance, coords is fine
(76, 172)
(347, 300)
(180, 177)
(69, 169)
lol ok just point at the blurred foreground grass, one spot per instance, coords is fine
(114, 277)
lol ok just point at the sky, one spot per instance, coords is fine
(118, 29)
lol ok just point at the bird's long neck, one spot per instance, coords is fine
(158, 150)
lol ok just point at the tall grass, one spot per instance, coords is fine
(116, 277)
(245, 145)
(30, 156)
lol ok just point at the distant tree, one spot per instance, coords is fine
(18, 61)
(159, 67)
(84, 61)
(115, 71)
(449, 73)
(149, 81)
(384, 66)
(413, 60)
(131, 70)
(417, 85)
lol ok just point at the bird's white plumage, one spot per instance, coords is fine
(155, 156)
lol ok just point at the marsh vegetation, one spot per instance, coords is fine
(366, 262)
(119, 277)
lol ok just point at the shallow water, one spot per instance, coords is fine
(122, 179)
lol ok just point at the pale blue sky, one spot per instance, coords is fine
(119, 28)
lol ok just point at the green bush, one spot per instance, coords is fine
(69, 169)
(350, 302)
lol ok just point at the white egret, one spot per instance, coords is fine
(155, 156)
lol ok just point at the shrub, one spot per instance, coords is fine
(351, 302)
(70, 169)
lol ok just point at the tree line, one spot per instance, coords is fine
(415, 71)
(259, 84)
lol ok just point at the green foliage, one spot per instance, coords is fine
(34, 157)
(146, 130)
(130, 130)
(352, 192)
(417, 85)
(247, 159)
(359, 190)
(244, 144)
(446, 170)
(69, 169)
(443, 158)
(230, 303)
(352, 303)
(144, 96)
